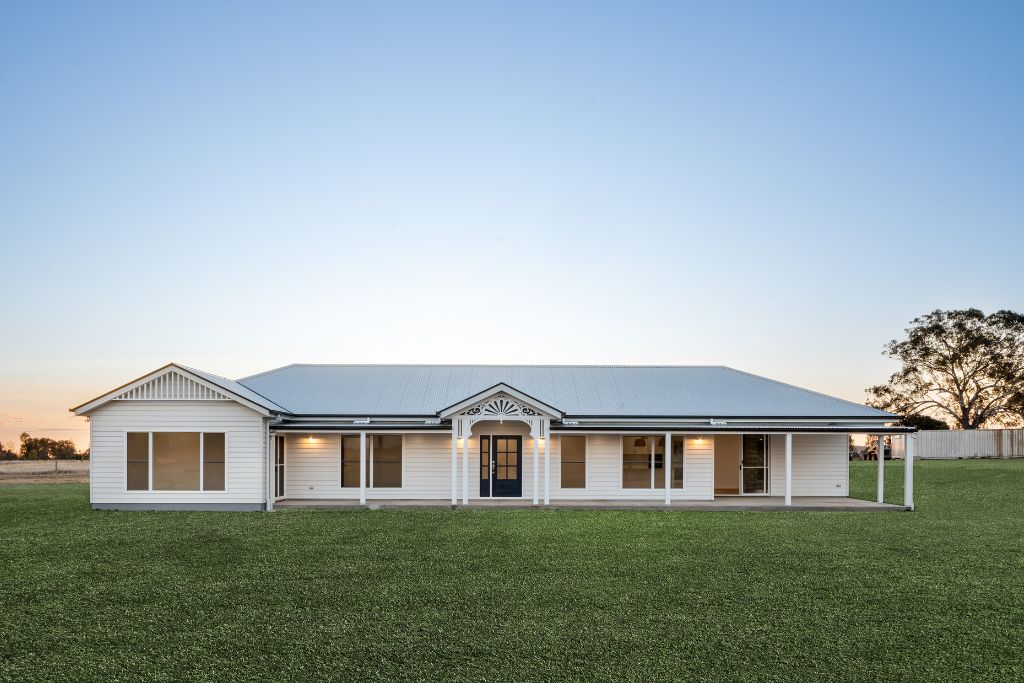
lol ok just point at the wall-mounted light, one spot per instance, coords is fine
(310, 437)
(700, 439)
(459, 442)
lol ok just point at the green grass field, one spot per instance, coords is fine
(521, 595)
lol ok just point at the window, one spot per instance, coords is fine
(386, 463)
(384, 459)
(176, 461)
(213, 462)
(138, 461)
(643, 462)
(349, 461)
(574, 461)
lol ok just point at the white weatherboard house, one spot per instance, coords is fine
(180, 438)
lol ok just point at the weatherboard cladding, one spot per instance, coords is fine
(591, 391)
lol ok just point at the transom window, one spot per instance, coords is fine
(176, 461)
(573, 450)
(643, 462)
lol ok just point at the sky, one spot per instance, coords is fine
(778, 187)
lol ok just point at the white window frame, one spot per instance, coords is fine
(149, 460)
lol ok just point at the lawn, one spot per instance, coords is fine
(521, 595)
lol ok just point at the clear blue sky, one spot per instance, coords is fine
(779, 187)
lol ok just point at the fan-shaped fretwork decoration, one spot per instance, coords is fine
(502, 406)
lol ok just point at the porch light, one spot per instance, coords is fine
(700, 439)
(310, 437)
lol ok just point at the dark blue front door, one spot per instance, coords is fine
(501, 466)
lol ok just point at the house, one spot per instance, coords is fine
(181, 438)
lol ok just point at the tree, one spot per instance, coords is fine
(42, 448)
(924, 422)
(7, 450)
(960, 365)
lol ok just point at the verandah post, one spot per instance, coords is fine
(547, 466)
(455, 499)
(668, 468)
(465, 462)
(789, 470)
(536, 466)
(908, 472)
(362, 468)
(881, 469)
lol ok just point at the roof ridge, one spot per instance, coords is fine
(481, 365)
(266, 372)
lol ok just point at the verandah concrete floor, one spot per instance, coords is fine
(721, 504)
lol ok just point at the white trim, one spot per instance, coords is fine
(160, 372)
(908, 472)
(880, 486)
(667, 464)
(789, 470)
(362, 467)
(202, 445)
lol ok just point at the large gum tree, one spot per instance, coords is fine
(961, 366)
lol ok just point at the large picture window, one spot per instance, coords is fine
(384, 461)
(574, 461)
(176, 461)
(643, 462)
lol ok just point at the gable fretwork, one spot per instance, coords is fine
(171, 386)
(501, 406)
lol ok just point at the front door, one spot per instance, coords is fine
(501, 466)
(754, 464)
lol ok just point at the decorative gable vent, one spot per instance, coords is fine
(502, 406)
(171, 386)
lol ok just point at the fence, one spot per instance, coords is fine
(970, 443)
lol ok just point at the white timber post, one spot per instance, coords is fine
(362, 468)
(789, 470)
(547, 464)
(668, 468)
(465, 462)
(271, 474)
(908, 472)
(881, 469)
(455, 468)
(536, 465)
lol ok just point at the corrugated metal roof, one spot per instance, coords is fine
(578, 390)
(237, 388)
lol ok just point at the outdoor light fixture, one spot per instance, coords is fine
(310, 437)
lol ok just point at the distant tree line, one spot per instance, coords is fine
(960, 369)
(42, 448)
